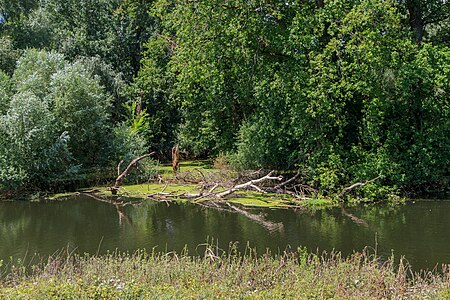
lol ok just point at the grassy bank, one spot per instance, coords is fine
(197, 176)
(237, 276)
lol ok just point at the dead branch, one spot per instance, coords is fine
(247, 184)
(286, 182)
(120, 177)
(165, 187)
(185, 196)
(93, 191)
(213, 188)
(219, 195)
(305, 189)
(258, 189)
(356, 185)
(246, 175)
(176, 159)
(296, 195)
(118, 167)
(201, 174)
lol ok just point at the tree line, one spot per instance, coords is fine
(343, 90)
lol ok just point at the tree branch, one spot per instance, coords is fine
(247, 184)
(118, 167)
(286, 182)
(120, 177)
(356, 185)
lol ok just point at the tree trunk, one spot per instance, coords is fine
(175, 159)
(416, 22)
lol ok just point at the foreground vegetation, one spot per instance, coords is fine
(223, 276)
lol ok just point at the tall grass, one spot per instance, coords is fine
(215, 275)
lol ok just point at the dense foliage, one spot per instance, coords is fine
(215, 275)
(344, 90)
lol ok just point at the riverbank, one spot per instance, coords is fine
(223, 276)
(202, 182)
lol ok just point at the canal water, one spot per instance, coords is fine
(418, 230)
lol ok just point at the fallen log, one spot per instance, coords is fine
(223, 194)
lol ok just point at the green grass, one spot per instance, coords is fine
(187, 166)
(217, 275)
(59, 196)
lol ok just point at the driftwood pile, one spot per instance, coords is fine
(215, 190)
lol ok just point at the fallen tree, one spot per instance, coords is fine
(215, 190)
(221, 194)
(292, 192)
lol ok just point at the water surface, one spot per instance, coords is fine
(419, 231)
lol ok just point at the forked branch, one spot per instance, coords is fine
(251, 183)
(122, 175)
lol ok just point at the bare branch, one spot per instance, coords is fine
(356, 185)
(201, 174)
(247, 184)
(213, 188)
(118, 167)
(286, 182)
(165, 187)
(120, 177)
(258, 188)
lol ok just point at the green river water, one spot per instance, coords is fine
(418, 230)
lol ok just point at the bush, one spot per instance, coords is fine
(57, 123)
(33, 148)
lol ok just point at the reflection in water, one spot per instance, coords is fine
(117, 202)
(419, 231)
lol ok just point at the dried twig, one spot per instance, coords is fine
(286, 182)
(165, 187)
(213, 188)
(258, 189)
